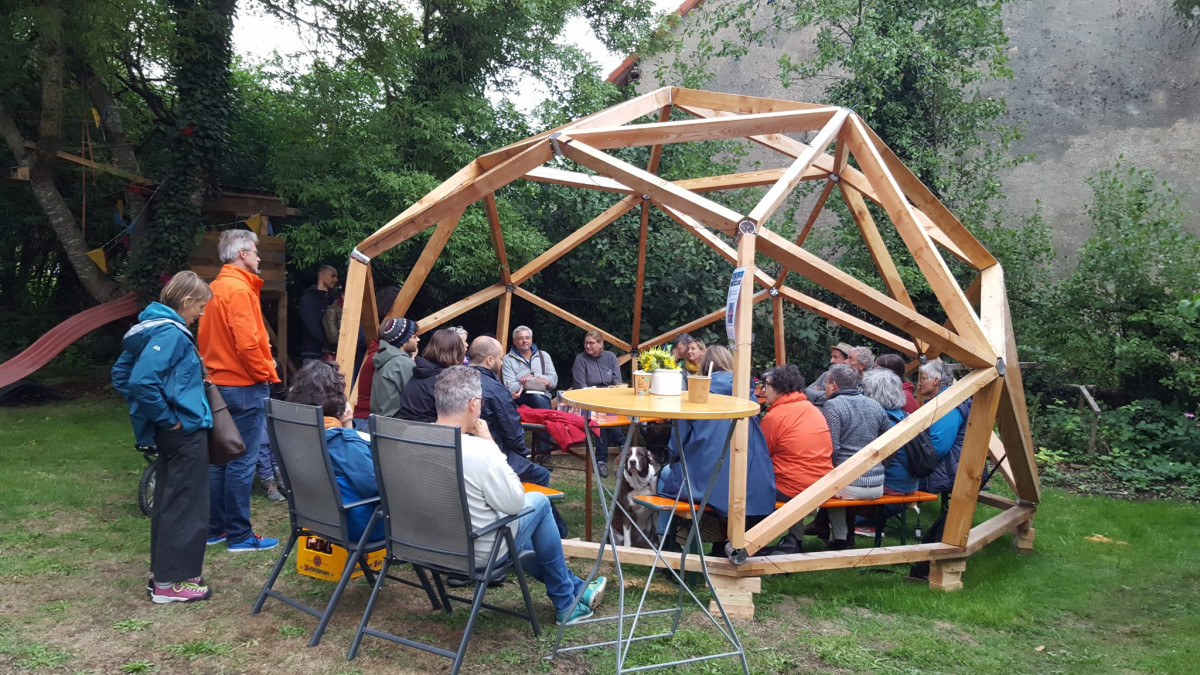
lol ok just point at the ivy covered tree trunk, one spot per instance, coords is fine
(201, 65)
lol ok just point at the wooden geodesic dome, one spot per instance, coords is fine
(977, 330)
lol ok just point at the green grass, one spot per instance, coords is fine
(74, 554)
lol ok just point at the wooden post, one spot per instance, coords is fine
(352, 306)
(1023, 536)
(282, 317)
(777, 319)
(971, 463)
(743, 324)
(641, 267)
(502, 316)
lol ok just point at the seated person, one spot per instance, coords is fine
(393, 364)
(500, 413)
(839, 353)
(882, 385)
(693, 356)
(445, 349)
(895, 363)
(798, 440)
(320, 383)
(679, 351)
(854, 421)
(493, 491)
(528, 372)
(947, 432)
(598, 367)
(704, 441)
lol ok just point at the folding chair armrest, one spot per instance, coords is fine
(362, 502)
(497, 524)
(530, 426)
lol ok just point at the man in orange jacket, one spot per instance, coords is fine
(234, 345)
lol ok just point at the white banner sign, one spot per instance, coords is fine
(731, 304)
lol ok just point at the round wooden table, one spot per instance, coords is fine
(622, 401)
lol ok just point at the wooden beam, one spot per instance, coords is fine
(735, 103)
(802, 235)
(640, 284)
(999, 457)
(623, 113)
(779, 192)
(871, 454)
(576, 179)
(847, 320)
(971, 463)
(937, 273)
(352, 314)
(745, 179)
(424, 265)
(131, 177)
(571, 241)
(743, 341)
(777, 322)
(587, 550)
(993, 306)
(402, 227)
(712, 241)
(686, 131)
(1013, 420)
(848, 559)
(703, 321)
(998, 526)
(503, 314)
(792, 148)
(931, 206)
(569, 317)
(704, 210)
(468, 303)
(664, 115)
(463, 176)
(497, 235)
(995, 500)
(876, 247)
(871, 300)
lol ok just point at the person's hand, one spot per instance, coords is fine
(178, 425)
(480, 430)
(517, 394)
(526, 378)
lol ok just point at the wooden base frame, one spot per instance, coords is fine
(974, 327)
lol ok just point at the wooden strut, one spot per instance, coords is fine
(569, 317)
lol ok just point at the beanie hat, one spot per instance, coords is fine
(397, 331)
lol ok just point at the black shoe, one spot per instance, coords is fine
(603, 468)
(460, 582)
(841, 544)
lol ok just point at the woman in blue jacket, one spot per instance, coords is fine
(161, 376)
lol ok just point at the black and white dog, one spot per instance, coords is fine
(639, 477)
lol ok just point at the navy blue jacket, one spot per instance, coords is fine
(500, 413)
(161, 376)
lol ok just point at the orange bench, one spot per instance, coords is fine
(684, 509)
(551, 494)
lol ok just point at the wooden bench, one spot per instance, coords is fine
(683, 509)
(551, 494)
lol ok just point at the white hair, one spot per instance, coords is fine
(937, 369)
(884, 386)
(455, 388)
(233, 242)
(522, 329)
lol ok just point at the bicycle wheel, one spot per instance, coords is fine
(146, 488)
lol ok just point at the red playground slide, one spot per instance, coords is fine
(61, 336)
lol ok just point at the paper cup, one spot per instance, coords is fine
(698, 386)
(641, 382)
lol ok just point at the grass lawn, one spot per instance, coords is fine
(74, 557)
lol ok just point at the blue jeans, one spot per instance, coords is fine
(537, 474)
(537, 532)
(229, 485)
(266, 461)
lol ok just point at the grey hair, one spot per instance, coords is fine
(862, 357)
(455, 388)
(462, 332)
(884, 386)
(844, 376)
(522, 329)
(233, 242)
(939, 370)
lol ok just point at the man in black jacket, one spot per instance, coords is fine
(500, 412)
(313, 304)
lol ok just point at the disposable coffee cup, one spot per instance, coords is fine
(641, 383)
(698, 386)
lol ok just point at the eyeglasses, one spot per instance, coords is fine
(769, 383)
(590, 342)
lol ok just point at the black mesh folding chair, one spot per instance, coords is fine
(315, 504)
(419, 468)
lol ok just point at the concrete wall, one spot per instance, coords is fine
(1092, 79)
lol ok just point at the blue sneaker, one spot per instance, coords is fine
(217, 539)
(255, 542)
(580, 612)
(593, 595)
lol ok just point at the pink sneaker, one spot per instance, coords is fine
(182, 591)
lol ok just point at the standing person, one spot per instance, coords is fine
(161, 376)
(313, 342)
(493, 490)
(895, 363)
(854, 421)
(598, 367)
(528, 371)
(398, 342)
(839, 353)
(233, 342)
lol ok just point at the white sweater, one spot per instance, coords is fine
(493, 491)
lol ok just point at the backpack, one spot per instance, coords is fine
(922, 456)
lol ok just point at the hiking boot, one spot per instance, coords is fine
(255, 542)
(215, 539)
(578, 613)
(786, 546)
(181, 591)
(603, 468)
(273, 493)
(593, 595)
